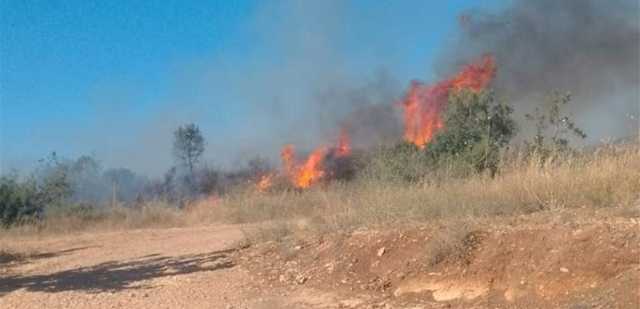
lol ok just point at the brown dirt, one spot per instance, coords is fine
(197, 267)
(524, 262)
(527, 262)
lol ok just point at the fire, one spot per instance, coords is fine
(288, 156)
(312, 170)
(343, 148)
(265, 182)
(475, 76)
(424, 104)
(303, 175)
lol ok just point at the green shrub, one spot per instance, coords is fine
(403, 162)
(477, 127)
(19, 201)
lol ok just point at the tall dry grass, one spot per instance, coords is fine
(154, 214)
(607, 177)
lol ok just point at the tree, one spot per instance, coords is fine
(188, 146)
(477, 127)
(86, 181)
(126, 184)
(19, 201)
(54, 181)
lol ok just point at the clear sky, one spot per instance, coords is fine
(114, 78)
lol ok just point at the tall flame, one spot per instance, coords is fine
(424, 104)
(312, 169)
(309, 172)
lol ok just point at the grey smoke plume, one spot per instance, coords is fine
(363, 110)
(587, 47)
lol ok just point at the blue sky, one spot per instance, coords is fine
(114, 78)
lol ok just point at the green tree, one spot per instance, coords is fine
(19, 201)
(54, 181)
(188, 146)
(476, 128)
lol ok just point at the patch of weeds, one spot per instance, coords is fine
(454, 243)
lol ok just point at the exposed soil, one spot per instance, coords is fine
(525, 262)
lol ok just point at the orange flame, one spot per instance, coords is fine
(343, 148)
(424, 104)
(288, 156)
(312, 170)
(265, 182)
(304, 175)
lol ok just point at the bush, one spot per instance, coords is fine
(554, 128)
(477, 127)
(26, 200)
(403, 162)
(19, 201)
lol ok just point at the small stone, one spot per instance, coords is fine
(381, 251)
(300, 279)
(564, 270)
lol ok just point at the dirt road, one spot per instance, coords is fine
(163, 268)
(590, 263)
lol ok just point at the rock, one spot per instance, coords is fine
(381, 251)
(300, 279)
(564, 270)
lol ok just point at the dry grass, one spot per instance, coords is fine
(608, 177)
(151, 215)
(453, 242)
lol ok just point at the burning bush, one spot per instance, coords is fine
(424, 105)
(477, 128)
(424, 118)
(322, 163)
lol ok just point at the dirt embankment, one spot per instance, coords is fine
(527, 262)
(545, 260)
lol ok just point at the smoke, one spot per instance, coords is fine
(298, 71)
(364, 110)
(587, 47)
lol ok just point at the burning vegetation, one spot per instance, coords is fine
(423, 107)
(303, 174)
(424, 104)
